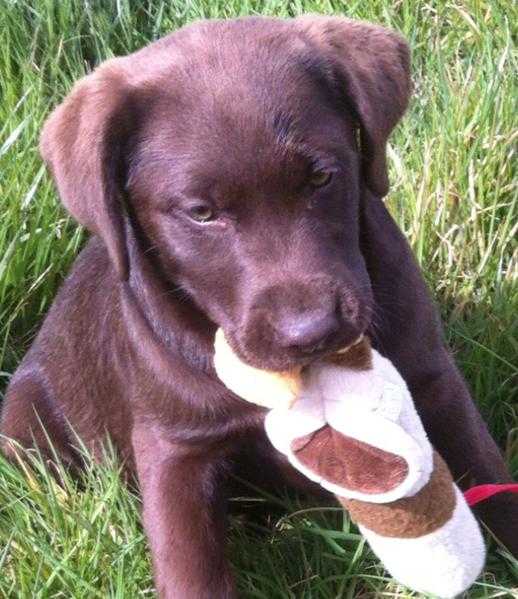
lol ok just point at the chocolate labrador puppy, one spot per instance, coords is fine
(232, 176)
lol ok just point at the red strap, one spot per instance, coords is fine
(481, 492)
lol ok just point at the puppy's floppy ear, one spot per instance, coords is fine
(373, 67)
(82, 143)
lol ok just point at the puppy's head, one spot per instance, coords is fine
(239, 150)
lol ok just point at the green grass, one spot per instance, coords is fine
(453, 194)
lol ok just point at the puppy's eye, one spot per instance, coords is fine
(201, 213)
(319, 178)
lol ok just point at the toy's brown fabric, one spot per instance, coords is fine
(410, 517)
(348, 462)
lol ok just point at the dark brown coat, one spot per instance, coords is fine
(231, 174)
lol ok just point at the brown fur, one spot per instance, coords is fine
(235, 115)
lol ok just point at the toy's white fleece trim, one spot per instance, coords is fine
(444, 562)
(282, 426)
(285, 424)
(261, 387)
(373, 406)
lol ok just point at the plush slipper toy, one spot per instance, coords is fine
(349, 423)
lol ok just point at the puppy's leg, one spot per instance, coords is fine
(30, 419)
(409, 333)
(184, 518)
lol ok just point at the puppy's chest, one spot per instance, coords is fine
(201, 414)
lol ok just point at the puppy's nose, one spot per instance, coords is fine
(309, 331)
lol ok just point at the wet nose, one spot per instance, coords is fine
(309, 331)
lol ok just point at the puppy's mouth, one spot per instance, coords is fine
(345, 349)
(282, 360)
